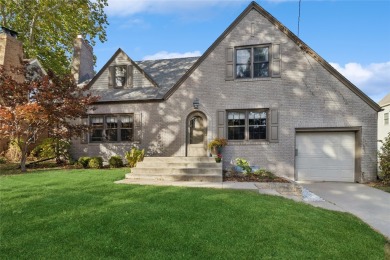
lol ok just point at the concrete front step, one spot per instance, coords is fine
(167, 171)
(176, 177)
(203, 169)
(179, 159)
(161, 165)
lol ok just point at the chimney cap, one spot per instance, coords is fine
(8, 31)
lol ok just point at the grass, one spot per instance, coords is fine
(384, 188)
(82, 214)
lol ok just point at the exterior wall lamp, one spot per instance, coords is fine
(196, 103)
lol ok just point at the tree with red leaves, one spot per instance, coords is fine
(32, 106)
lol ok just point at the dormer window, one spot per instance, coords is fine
(252, 62)
(120, 73)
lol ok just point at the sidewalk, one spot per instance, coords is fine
(317, 202)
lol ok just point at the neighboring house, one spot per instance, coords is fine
(11, 55)
(280, 105)
(383, 120)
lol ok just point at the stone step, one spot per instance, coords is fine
(151, 164)
(200, 169)
(177, 177)
(167, 171)
(179, 159)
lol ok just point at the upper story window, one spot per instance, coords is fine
(252, 62)
(120, 75)
(112, 128)
(247, 125)
(386, 118)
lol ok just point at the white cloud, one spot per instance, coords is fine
(139, 23)
(131, 7)
(373, 79)
(170, 55)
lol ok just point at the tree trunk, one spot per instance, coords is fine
(23, 162)
(24, 158)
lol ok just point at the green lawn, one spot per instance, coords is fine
(82, 214)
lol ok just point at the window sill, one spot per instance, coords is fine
(253, 79)
(240, 143)
(120, 143)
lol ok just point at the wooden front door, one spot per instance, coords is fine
(196, 134)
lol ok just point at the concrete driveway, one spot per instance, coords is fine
(369, 204)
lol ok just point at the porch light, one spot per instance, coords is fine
(196, 103)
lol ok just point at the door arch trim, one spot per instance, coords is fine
(205, 130)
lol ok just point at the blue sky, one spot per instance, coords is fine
(354, 36)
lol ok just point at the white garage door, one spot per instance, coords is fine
(325, 156)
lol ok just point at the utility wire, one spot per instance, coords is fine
(299, 15)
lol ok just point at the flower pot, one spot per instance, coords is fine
(218, 160)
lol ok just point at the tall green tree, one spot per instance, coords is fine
(48, 28)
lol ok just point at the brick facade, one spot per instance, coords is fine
(306, 95)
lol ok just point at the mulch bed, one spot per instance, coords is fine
(253, 178)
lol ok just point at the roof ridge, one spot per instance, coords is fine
(170, 58)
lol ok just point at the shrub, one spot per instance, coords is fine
(96, 163)
(135, 155)
(83, 161)
(264, 174)
(217, 143)
(244, 164)
(3, 160)
(115, 161)
(384, 161)
(51, 148)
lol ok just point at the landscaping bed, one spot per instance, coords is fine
(256, 176)
(253, 178)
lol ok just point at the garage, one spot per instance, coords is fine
(325, 156)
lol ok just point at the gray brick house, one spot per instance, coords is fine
(279, 104)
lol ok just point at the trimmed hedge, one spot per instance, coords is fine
(84, 161)
(115, 161)
(96, 163)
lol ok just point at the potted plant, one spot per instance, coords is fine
(216, 145)
(218, 159)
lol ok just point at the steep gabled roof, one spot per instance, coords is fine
(167, 72)
(385, 101)
(35, 70)
(162, 73)
(304, 47)
(108, 63)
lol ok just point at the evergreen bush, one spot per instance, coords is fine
(115, 161)
(96, 163)
(83, 161)
(384, 161)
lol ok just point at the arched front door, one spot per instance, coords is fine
(196, 134)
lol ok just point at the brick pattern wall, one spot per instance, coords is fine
(306, 96)
(82, 63)
(11, 51)
(11, 54)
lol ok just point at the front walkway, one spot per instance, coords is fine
(307, 197)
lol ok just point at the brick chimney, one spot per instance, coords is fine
(11, 49)
(82, 62)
